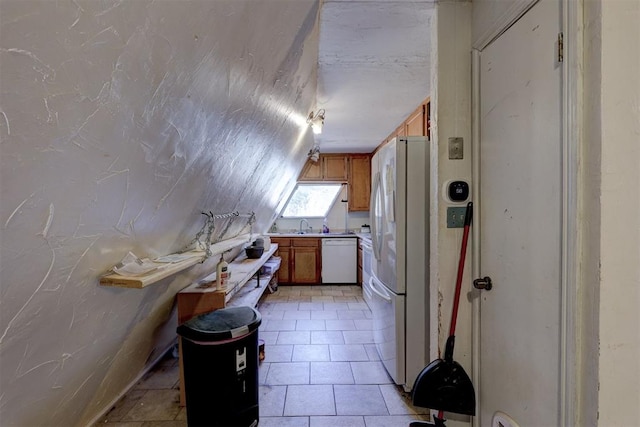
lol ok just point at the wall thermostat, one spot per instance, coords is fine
(458, 191)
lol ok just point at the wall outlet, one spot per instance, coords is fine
(455, 217)
(456, 149)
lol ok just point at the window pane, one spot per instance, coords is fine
(311, 200)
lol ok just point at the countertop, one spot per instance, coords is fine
(313, 234)
(352, 234)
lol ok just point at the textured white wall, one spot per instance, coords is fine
(119, 123)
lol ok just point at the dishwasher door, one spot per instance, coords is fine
(339, 260)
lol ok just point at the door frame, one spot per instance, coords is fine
(571, 124)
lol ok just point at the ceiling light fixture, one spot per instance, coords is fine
(316, 121)
(314, 154)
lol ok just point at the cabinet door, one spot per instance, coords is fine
(359, 183)
(311, 171)
(415, 123)
(334, 167)
(305, 263)
(284, 272)
(284, 247)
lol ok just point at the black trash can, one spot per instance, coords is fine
(220, 361)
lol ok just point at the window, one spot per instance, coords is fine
(311, 200)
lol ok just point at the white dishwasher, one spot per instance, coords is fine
(339, 260)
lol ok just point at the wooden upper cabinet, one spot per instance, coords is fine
(312, 171)
(359, 182)
(330, 167)
(335, 167)
(354, 169)
(415, 123)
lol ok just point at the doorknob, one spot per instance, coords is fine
(483, 283)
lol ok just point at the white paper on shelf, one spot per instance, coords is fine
(131, 266)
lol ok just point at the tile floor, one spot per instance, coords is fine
(321, 369)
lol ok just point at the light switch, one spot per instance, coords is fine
(455, 217)
(455, 148)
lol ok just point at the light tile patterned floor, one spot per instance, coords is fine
(321, 369)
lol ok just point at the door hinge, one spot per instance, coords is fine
(560, 47)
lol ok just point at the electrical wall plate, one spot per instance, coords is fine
(456, 148)
(455, 217)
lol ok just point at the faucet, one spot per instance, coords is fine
(301, 221)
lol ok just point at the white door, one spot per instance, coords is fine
(520, 220)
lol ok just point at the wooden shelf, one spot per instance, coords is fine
(242, 285)
(167, 269)
(250, 293)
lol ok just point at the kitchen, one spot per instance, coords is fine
(122, 122)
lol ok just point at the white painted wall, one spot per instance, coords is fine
(612, 139)
(451, 110)
(489, 16)
(119, 123)
(588, 342)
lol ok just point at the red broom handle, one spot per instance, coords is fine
(463, 254)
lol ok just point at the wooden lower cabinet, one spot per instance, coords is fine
(305, 266)
(284, 274)
(301, 260)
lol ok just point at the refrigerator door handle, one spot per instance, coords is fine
(374, 207)
(373, 287)
(367, 289)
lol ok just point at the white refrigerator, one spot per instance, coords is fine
(400, 268)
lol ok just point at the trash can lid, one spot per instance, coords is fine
(221, 325)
